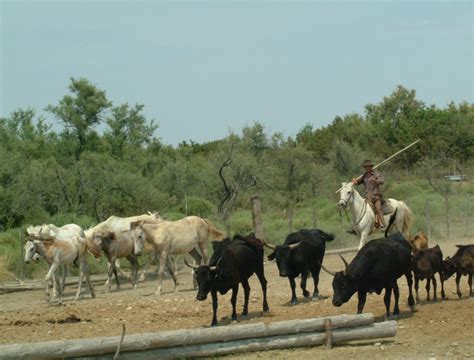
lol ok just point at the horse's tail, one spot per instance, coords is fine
(407, 219)
(213, 231)
(392, 220)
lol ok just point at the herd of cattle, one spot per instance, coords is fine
(376, 267)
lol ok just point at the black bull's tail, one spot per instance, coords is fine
(392, 220)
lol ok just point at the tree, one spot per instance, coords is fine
(80, 111)
(128, 126)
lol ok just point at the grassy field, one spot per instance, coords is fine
(429, 210)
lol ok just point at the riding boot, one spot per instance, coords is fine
(379, 211)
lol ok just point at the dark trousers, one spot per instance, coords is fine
(376, 200)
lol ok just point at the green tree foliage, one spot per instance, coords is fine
(107, 159)
(80, 111)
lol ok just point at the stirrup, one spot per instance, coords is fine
(352, 232)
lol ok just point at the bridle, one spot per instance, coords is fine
(361, 214)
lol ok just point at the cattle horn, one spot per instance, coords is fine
(214, 267)
(191, 266)
(270, 246)
(345, 263)
(328, 271)
(294, 246)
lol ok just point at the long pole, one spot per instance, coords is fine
(387, 159)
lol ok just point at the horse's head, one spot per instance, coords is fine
(139, 237)
(30, 250)
(346, 194)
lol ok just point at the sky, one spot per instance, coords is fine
(204, 68)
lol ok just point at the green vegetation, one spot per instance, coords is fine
(82, 175)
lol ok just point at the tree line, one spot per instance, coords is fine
(108, 159)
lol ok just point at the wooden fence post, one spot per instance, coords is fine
(427, 218)
(467, 215)
(314, 218)
(22, 256)
(290, 220)
(257, 217)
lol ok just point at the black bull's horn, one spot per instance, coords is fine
(191, 266)
(328, 271)
(268, 245)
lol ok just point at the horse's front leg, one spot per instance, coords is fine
(363, 239)
(79, 285)
(49, 276)
(163, 261)
(171, 266)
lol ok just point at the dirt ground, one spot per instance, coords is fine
(436, 330)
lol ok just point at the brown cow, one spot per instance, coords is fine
(418, 242)
(462, 263)
(426, 263)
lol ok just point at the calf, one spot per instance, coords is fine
(462, 263)
(426, 263)
(232, 263)
(377, 266)
(302, 252)
(418, 242)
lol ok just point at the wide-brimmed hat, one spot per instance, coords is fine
(367, 163)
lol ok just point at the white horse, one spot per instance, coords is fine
(183, 236)
(59, 252)
(363, 217)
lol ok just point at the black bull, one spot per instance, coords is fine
(232, 262)
(301, 253)
(377, 266)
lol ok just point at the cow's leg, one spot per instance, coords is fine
(435, 297)
(263, 283)
(470, 284)
(88, 277)
(214, 308)
(246, 286)
(396, 294)
(386, 300)
(411, 301)
(304, 276)
(458, 279)
(315, 274)
(428, 281)
(161, 270)
(233, 301)
(417, 283)
(362, 298)
(443, 294)
(293, 300)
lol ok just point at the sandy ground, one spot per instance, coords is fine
(436, 330)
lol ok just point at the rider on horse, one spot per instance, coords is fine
(372, 181)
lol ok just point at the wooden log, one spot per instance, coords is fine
(133, 342)
(341, 251)
(374, 331)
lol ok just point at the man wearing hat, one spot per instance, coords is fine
(372, 181)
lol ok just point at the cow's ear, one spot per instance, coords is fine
(271, 256)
